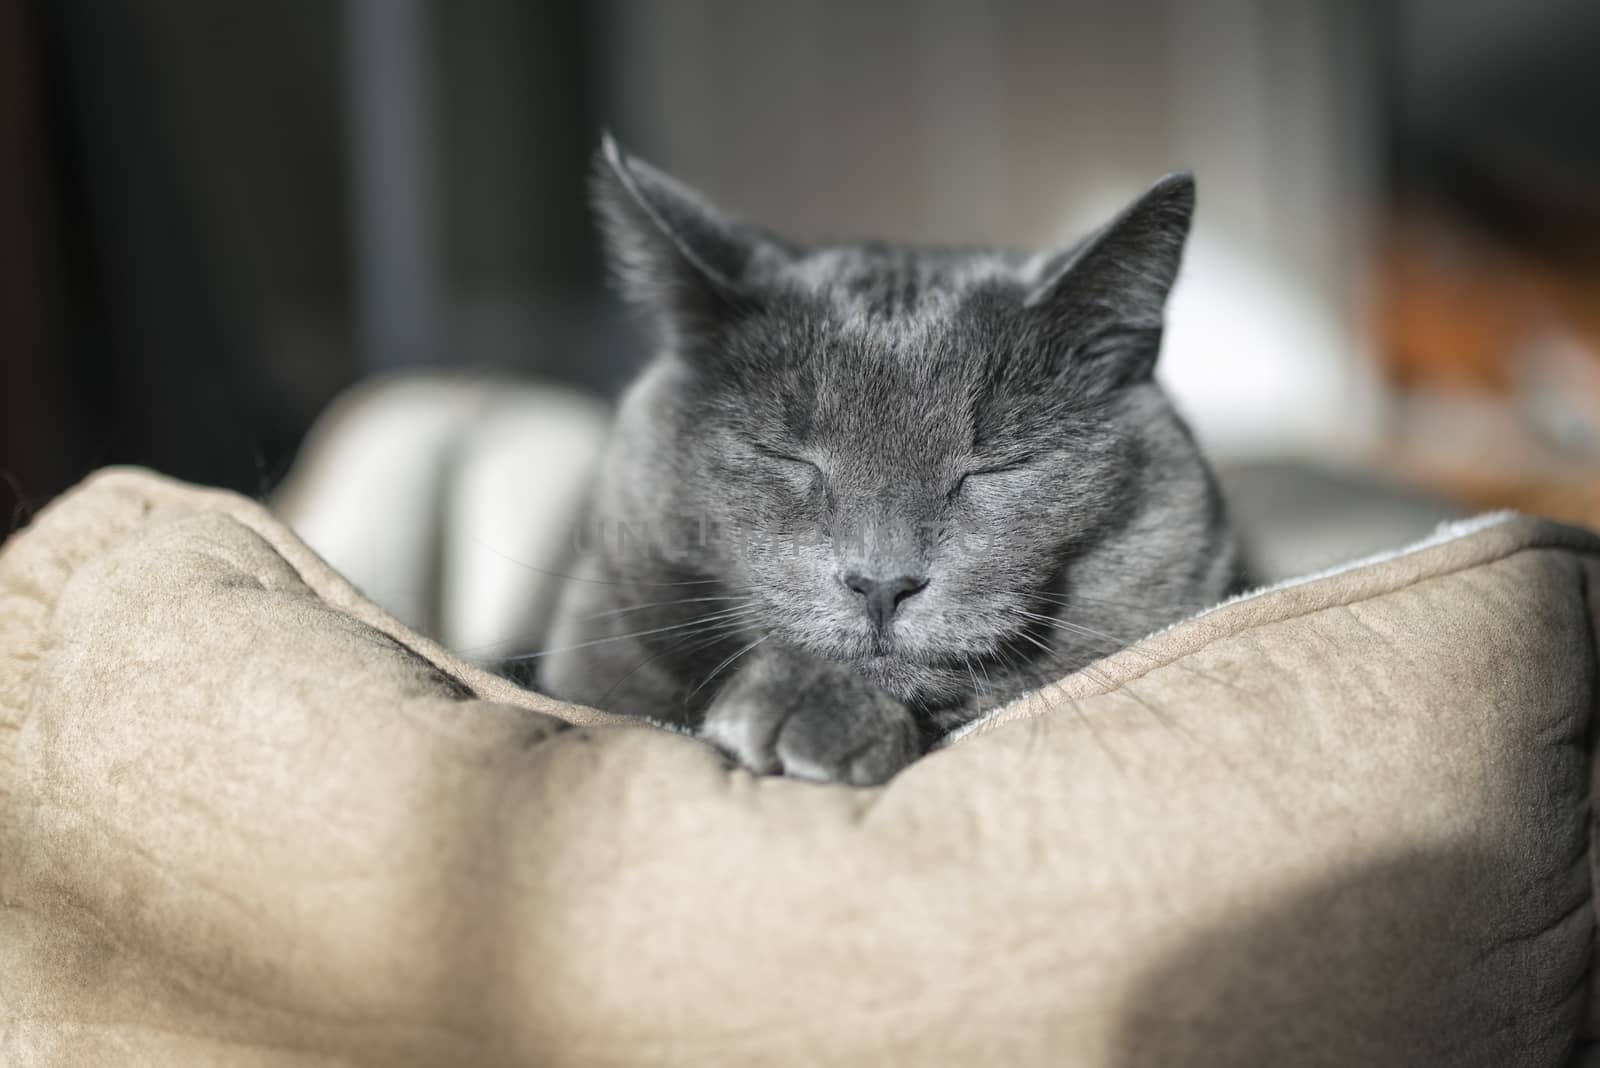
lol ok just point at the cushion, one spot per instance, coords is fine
(248, 818)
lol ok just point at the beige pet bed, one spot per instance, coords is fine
(248, 819)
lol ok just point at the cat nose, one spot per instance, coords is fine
(883, 596)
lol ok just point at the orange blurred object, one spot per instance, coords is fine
(1493, 357)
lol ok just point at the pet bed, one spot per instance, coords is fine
(247, 818)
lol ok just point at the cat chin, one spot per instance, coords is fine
(912, 683)
(905, 667)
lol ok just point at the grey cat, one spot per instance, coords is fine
(865, 492)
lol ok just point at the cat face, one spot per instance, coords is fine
(896, 454)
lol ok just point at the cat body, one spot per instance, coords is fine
(865, 493)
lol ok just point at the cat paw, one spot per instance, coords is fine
(858, 746)
(852, 733)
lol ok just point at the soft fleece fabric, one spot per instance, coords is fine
(248, 819)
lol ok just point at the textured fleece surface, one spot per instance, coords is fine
(248, 819)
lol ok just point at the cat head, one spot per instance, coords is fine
(899, 451)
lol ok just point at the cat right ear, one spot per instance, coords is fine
(674, 254)
(1104, 299)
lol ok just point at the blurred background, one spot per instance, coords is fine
(214, 217)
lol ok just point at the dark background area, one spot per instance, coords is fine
(215, 216)
(183, 284)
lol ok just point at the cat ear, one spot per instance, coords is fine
(673, 252)
(1103, 299)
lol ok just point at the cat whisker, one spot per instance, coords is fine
(702, 640)
(1172, 724)
(722, 666)
(976, 689)
(988, 682)
(1035, 641)
(663, 604)
(1040, 685)
(470, 651)
(1120, 645)
(1178, 610)
(1125, 688)
(1070, 625)
(1077, 597)
(701, 623)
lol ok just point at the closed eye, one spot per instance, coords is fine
(982, 473)
(777, 454)
(795, 463)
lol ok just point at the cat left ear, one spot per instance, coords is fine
(1104, 299)
(673, 252)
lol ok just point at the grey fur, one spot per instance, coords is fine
(980, 421)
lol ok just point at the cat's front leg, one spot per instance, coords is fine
(785, 712)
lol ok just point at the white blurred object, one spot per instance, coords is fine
(520, 480)
(447, 500)
(1258, 366)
